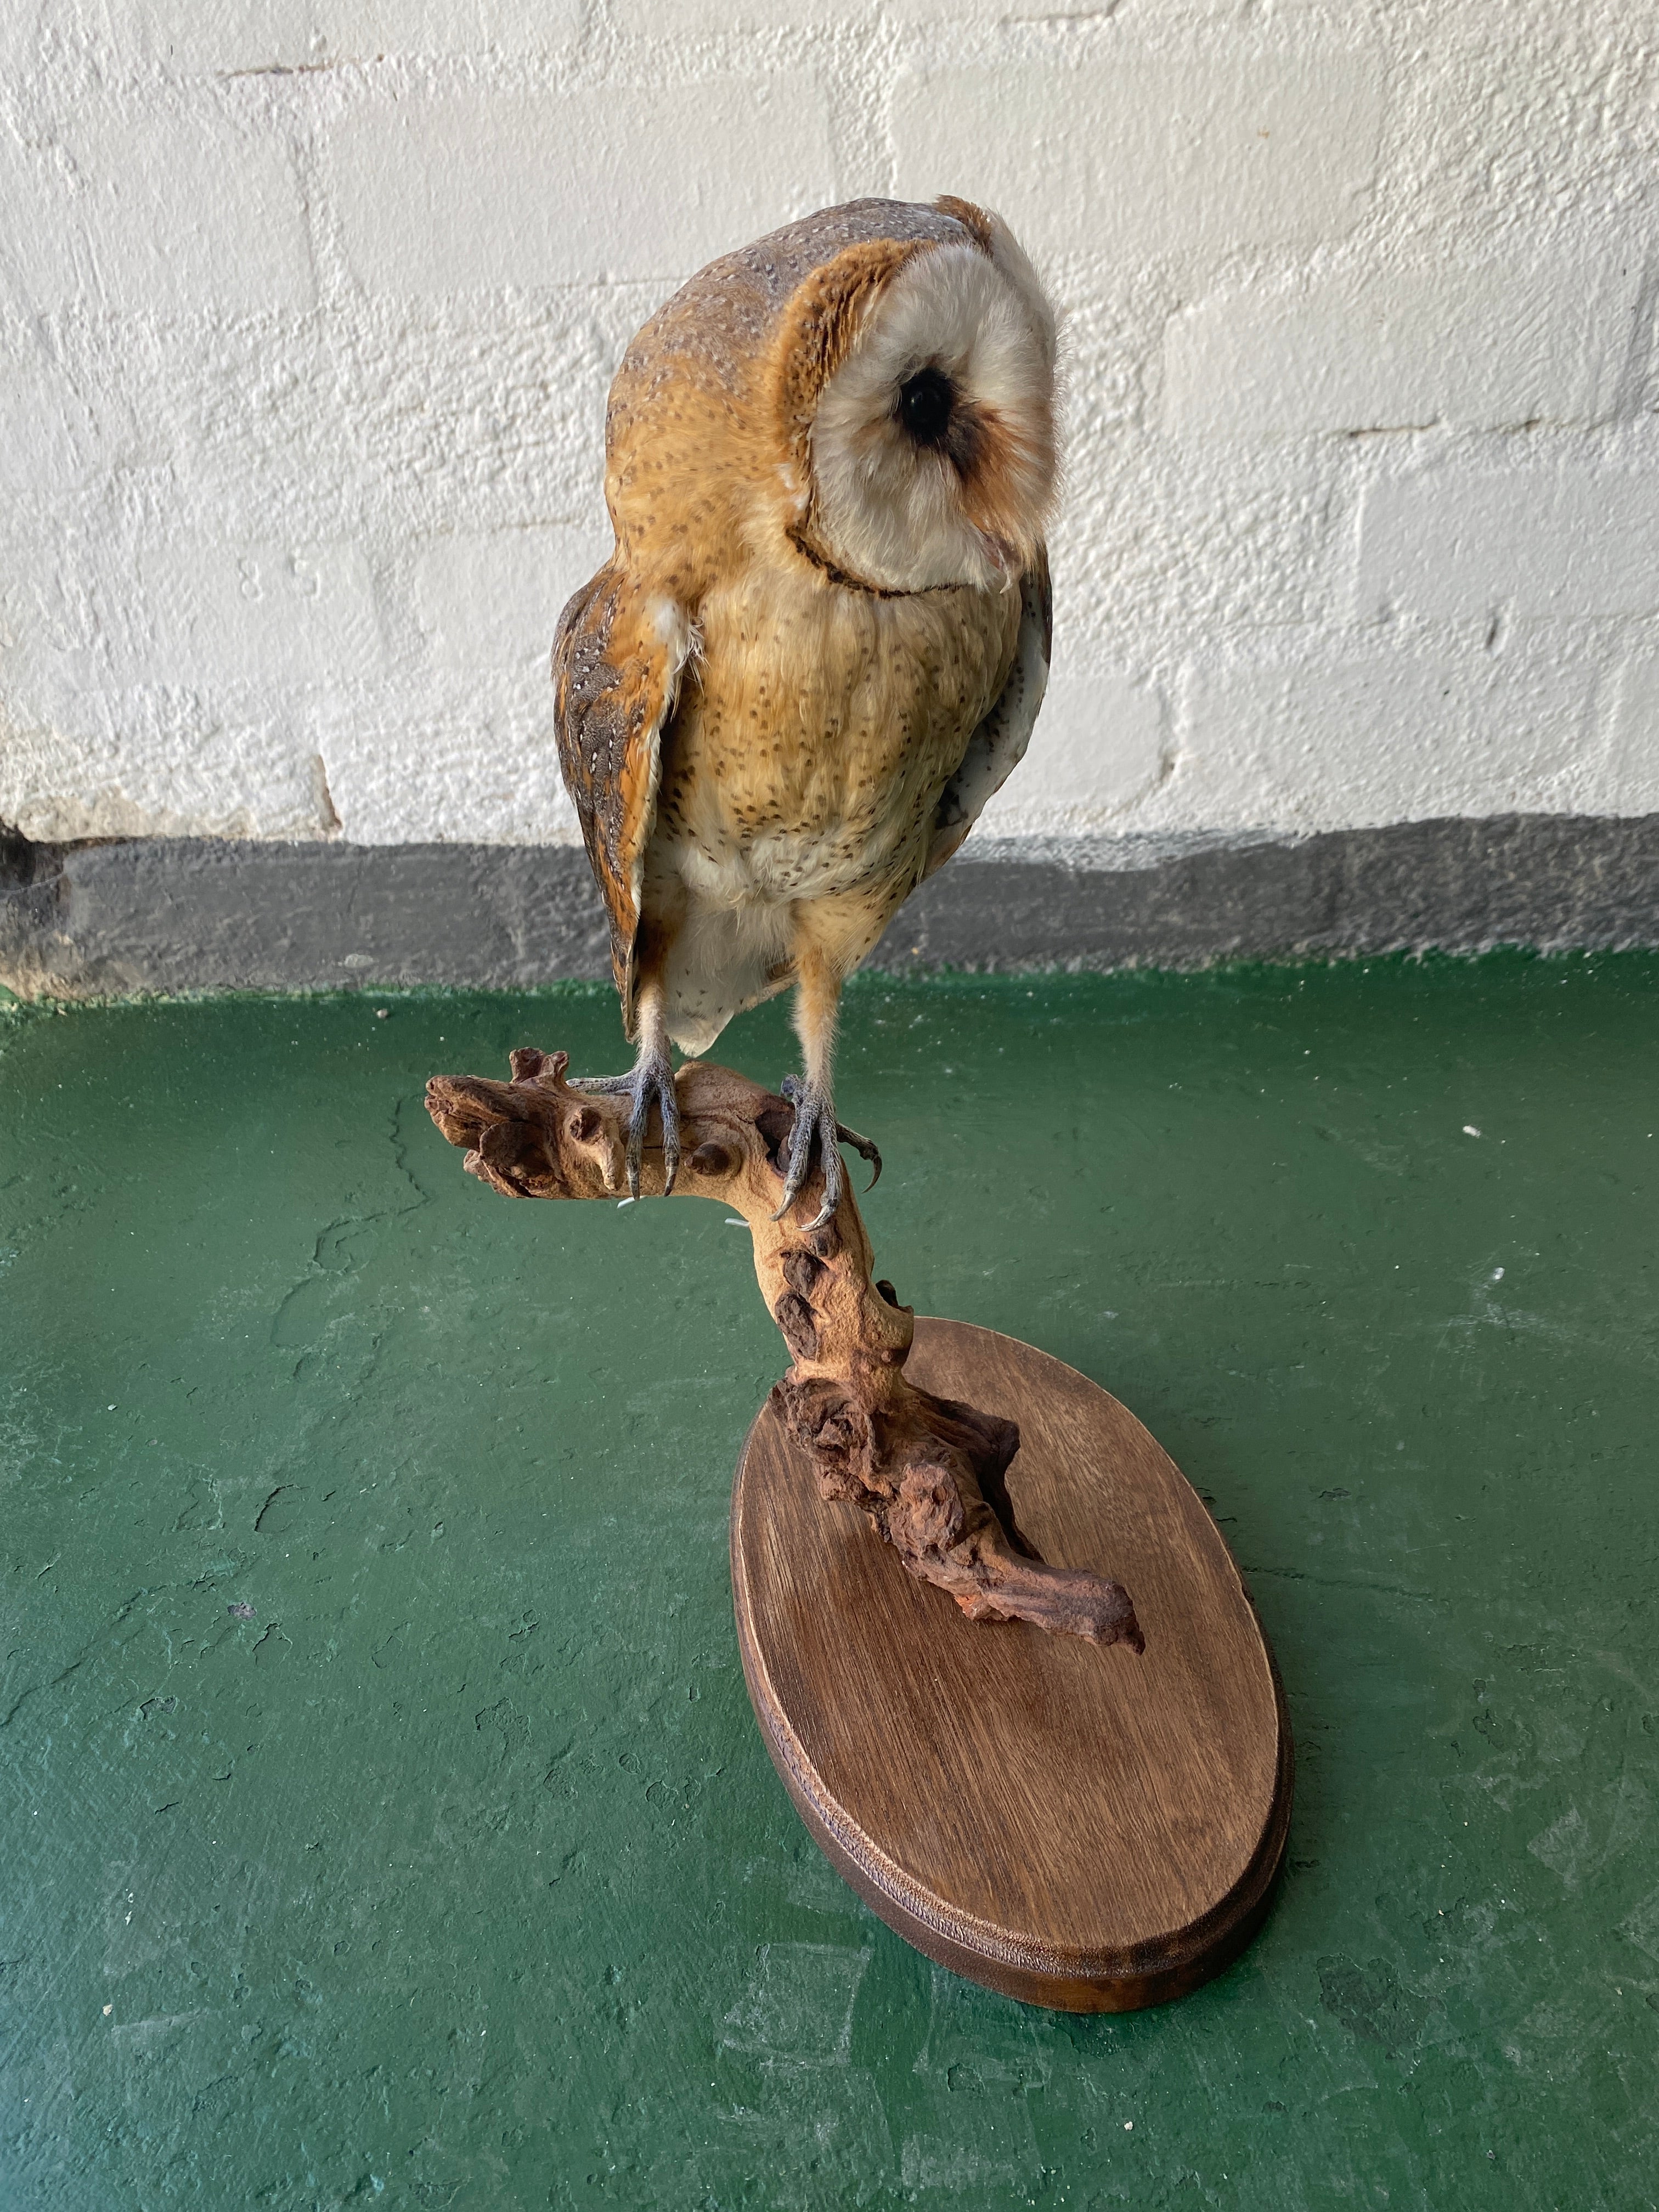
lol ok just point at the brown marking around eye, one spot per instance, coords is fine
(966, 441)
(1007, 481)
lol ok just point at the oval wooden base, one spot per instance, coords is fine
(1074, 1824)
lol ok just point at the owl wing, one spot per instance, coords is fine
(997, 746)
(618, 657)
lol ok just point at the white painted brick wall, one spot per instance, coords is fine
(1373, 737)
(47, 441)
(477, 763)
(1097, 748)
(704, 19)
(140, 765)
(483, 598)
(1474, 347)
(1630, 773)
(221, 617)
(456, 195)
(166, 217)
(252, 34)
(308, 309)
(1151, 153)
(1545, 541)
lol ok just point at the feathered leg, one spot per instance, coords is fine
(814, 1137)
(650, 1081)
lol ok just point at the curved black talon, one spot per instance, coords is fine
(817, 1130)
(651, 1080)
(866, 1147)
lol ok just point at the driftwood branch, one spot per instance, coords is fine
(930, 1473)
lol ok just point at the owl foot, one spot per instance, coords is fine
(817, 1130)
(650, 1080)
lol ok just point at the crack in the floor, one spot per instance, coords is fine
(75, 1664)
(1342, 1581)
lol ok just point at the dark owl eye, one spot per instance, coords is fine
(926, 401)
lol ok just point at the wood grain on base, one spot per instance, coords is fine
(1077, 1826)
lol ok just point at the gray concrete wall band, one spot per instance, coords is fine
(161, 915)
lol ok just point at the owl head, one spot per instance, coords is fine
(916, 381)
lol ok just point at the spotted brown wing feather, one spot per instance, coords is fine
(616, 661)
(997, 746)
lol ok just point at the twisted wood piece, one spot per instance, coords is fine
(930, 1473)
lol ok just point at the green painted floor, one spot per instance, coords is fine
(383, 1816)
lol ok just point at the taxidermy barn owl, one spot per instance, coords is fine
(823, 638)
